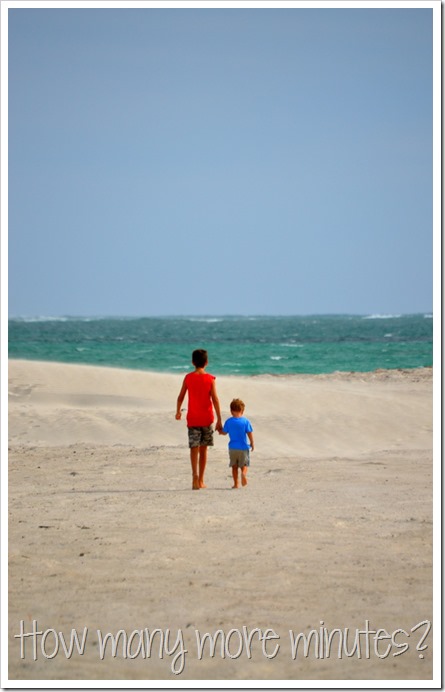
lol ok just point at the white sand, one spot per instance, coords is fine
(333, 530)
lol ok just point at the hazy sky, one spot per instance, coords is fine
(220, 161)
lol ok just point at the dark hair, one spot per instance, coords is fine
(200, 358)
(237, 405)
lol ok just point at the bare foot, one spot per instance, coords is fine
(244, 480)
(202, 484)
(195, 485)
(235, 486)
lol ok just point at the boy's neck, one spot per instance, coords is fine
(200, 371)
(237, 414)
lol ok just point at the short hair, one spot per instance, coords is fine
(237, 405)
(200, 358)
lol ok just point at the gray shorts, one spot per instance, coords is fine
(201, 437)
(239, 457)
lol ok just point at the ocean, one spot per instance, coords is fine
(237, 345)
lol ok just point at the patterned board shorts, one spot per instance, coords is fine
(239, 457)
(201, 437)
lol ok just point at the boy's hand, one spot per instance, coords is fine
(178, 415)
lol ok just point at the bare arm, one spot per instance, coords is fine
(250, 436)
(180, 400)
(216, 406)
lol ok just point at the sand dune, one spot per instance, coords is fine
(335, 526)
(51, 403)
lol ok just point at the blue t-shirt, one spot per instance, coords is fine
(237, 429)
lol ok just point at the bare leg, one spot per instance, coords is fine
(235, 477)
(194, 456)
(244, 475)
(202, 465)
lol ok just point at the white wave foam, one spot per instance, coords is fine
(208, 320)
(39, 318)
(381, 317)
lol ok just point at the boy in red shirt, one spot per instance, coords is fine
(202, 399)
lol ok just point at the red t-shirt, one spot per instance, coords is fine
(200, 408)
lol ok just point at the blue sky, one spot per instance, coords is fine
(220, 161)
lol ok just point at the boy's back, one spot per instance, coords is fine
(200, 409)
(237, 429)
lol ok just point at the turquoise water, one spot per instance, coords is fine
(236, 345)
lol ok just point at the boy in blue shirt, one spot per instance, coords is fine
(240, 432)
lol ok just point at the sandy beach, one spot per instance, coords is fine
(332, 535)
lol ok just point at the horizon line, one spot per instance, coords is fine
(68, 316)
